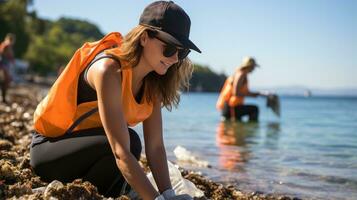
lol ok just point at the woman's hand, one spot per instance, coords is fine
(181, 197)
(176, 197)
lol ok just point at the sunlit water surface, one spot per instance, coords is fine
(309, 152)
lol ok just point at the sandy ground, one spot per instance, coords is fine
(18, 181)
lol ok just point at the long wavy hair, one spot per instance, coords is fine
(167, 86)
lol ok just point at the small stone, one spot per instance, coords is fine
(53, 186)
(39, 190)
(5, 145)
(26, 115)
(284, 198)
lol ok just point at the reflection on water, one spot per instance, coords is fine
(235, 139)
(272, 134)
(230, 134)
(310, 152)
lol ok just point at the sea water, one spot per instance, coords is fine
(309, 152)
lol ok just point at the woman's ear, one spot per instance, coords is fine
(144, 39)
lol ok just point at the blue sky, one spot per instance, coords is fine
(296, 42)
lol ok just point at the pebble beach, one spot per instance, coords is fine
(18, 180)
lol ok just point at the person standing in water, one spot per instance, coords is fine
(82, 125)
(231, 99)
(7, 59)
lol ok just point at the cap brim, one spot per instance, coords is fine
(244, 66)
(169, 38)
(192, 46)
(181, 43)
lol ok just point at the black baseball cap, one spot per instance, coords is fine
(170, 21)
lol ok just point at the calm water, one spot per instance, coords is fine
(310, 152)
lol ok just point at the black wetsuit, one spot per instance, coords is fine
(241, 110)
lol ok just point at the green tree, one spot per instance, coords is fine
(49, 44)
(204, 79)
(55, 45)
(74, 26)
(13, 19)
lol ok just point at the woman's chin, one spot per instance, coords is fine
(161, 72)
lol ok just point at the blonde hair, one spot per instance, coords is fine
(165, 86)
(10, 37)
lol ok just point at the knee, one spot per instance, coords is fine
(42, 170)
(226, 111)
(135, 144)
(256, 109)
(34, 161)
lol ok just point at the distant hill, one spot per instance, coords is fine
(205, 80)
(303, 91)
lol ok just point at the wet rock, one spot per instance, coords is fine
(52, 188)
(8, 172)
(5, 145)
(39, 190)
(75, 190)
(3, 188)
(18, 189)
(25, 163)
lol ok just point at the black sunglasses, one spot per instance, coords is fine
(170, 49)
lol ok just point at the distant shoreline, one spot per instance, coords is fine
(318, 93)
(291, 95)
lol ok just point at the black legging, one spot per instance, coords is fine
(83, 154)
(251, 110)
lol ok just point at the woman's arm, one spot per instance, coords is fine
(253, 94)
(238, 81)
(9, 54)
(155, 149)
(104, 76)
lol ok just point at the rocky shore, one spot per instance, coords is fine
(18, 181)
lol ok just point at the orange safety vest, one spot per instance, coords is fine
(3, 45)
(226, 94)
(58, 111)
(9, 54)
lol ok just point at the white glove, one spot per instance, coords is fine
(160, 197)
(168, 193)
(181, 197)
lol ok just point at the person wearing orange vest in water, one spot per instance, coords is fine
(82, 125)
(7, 59)
(235, 89)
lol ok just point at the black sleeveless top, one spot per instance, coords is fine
(85, 93)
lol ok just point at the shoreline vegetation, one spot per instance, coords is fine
(48, 45)
(18, 181)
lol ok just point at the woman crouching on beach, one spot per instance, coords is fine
(82, 125)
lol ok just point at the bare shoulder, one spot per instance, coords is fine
(104, 70)
(239, 75)
(106, 65)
